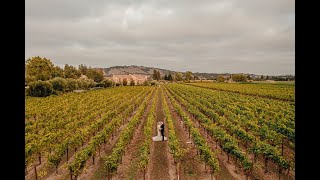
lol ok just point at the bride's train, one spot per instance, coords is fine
(158, 138)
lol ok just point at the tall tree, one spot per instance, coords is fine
(220, 78)
(155, 74)
(188, 75)
(97, 76)
(71, 72)
(239, 78)
(57, 72)
(178, 76)
(125, 81)
(132, 83)
(158, 75)
(165, 77)
(83, 69)
(39, 68)
(170, 77)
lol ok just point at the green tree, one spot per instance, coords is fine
(239, 77)
(248, 77)
(39, 68)
(261, 77)
(158, 75)
(155, 74)
(83, 69)
(178, 76)
(71, 72)
(165, 77)
(91, 83)
(58, 84)
(132, 82)
(170, 77)
(57, 72)
(220, 78)
(28, 79)
(40, 89)
(188, 75)
(107, 83)
(124, 81)
(80, 83)
(72, 84)
(95, 75)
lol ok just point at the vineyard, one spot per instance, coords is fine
(214, 130)
(277, 91)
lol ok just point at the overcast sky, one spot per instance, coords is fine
(249, 36)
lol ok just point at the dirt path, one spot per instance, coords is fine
(97, 172)
(191, 166)
(159, 163)
(128, 168)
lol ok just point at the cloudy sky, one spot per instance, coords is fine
(250, 36)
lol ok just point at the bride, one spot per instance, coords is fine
(158, 137)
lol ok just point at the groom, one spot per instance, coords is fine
(162, 131)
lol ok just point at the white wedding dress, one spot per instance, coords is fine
(158, 137)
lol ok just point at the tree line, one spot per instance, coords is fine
(177, 76)
(43, 78)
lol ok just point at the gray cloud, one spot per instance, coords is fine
(202, 36)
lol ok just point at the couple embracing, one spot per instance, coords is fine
(160, 129)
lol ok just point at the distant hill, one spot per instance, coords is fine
(116, 70)
(133, 69)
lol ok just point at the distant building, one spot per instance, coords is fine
(137, 78)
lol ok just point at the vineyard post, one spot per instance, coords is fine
(67, 154)
(35, 171)
(39, 158)
(178, 169)
(279, 171)
(70, 174)
(228, 156)
(282, 147)
(266, 164)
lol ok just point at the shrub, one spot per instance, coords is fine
(239, 78)
(85, 84)
(80, 84)
(107, 83)
(72, 84)
(40, 89)
(125, 81)
(220, 78)
(132, 83)
(145, 83)
(58, 84)
(91, 83)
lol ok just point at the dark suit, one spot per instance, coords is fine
(162, 131)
